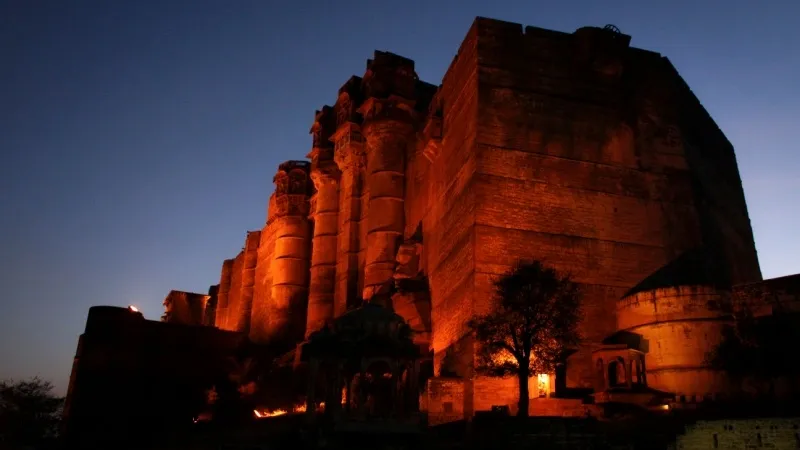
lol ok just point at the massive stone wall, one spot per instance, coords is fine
(558, 174)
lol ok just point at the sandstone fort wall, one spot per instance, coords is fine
(570, 148)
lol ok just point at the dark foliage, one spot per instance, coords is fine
(759, 347)
(533, 325)
(30, 413)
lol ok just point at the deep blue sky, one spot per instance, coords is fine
(139, 138)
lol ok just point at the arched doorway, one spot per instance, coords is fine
(617, 375)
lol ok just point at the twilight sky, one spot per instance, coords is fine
(139, 138)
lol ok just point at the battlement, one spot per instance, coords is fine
(390, 59)
(521, 41)
(288, 166)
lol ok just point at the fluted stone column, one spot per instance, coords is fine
(324, 249)
(387, 128)
(290, 261)
(221, 321)
(351, 161)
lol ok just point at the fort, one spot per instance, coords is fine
(575, 149)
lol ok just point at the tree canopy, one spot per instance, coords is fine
(533, 324)
(29, 413)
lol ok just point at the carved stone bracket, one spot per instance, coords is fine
(350, 153)
(325, 174)
(289, 205)
(292, 191)
(408, 275)
(432, 138)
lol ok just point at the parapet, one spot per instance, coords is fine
(671, 304)
(766, 297)
(102, 319)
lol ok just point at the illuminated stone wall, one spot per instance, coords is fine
(262, 291)
(324, 211)
(235, 294)
(221, 315)
(289, 268)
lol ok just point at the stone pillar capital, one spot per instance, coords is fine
(396, 112)
(349, 144)
(288, 205)
(292, 191)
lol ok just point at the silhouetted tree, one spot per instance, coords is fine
(233, 393)
(29, 413)
(533, 323)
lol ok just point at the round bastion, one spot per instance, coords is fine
(680, 327)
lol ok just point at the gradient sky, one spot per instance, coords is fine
(139, 138)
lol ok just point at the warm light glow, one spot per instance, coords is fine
(543, 384)
(133, 308)
(665, 407)
(544, 378)
(263, 414)
(296, 409)
(504, 357)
